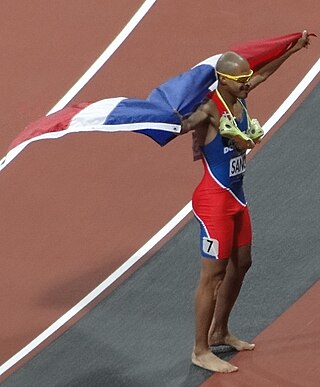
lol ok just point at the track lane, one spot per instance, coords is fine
(66, 198)
(142, 334)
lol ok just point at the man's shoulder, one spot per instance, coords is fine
(210, 107)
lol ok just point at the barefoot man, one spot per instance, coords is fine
(224, 132)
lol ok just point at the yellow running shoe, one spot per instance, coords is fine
(255, 131)
(230, 130)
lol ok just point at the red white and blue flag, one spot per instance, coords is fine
(158, 116)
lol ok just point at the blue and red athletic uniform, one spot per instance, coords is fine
(218, 201)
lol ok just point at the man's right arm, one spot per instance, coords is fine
(200, 119)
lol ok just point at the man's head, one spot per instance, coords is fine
(234, 74)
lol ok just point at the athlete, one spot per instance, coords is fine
(224, 132)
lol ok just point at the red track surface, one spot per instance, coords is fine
(76, 208)
(287, 352)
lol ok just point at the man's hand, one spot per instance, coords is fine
(242, 144)
(304, 41)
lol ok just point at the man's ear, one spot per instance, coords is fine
(222, 80)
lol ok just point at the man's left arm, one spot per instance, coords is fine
(264, 73)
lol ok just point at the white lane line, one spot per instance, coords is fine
(109, 51)
(134, 21)
(96, 292)
(285, 106)
(151, 243)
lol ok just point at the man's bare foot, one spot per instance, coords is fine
(211, 362)
(233, 341)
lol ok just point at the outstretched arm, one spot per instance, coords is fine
(199, 119)
(264, 73)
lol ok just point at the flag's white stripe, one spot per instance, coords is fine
(136, 126)
(145, 248)
(96, 66)
(95, 113)
(91, 119)
(86, 127)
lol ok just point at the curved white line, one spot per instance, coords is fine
(95, 67)
(151, 243)
(295, 94)
(109, 51)
(142, 11)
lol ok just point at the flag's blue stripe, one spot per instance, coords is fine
(186, 91)
(160, 136)
(181, 94)
(130, 111)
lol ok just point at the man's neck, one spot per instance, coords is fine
(228, 99)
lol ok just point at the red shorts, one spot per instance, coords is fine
(224, 223)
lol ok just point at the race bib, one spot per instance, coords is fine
(237, 165)
(210, 246)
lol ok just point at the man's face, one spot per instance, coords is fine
(238, 83)
(237, 89)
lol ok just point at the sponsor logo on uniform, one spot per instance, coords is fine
(227, 149)
(237, 165)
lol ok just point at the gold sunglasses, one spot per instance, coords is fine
(238, 78)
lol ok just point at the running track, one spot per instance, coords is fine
(75, 209)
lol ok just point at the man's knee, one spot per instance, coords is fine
(212, 273)
(245, 263)
(242, 259)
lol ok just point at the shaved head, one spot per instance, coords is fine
(232, 63)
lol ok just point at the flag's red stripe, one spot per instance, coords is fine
(263, 51)
(55, 122)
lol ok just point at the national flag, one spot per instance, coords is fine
(157, 116)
